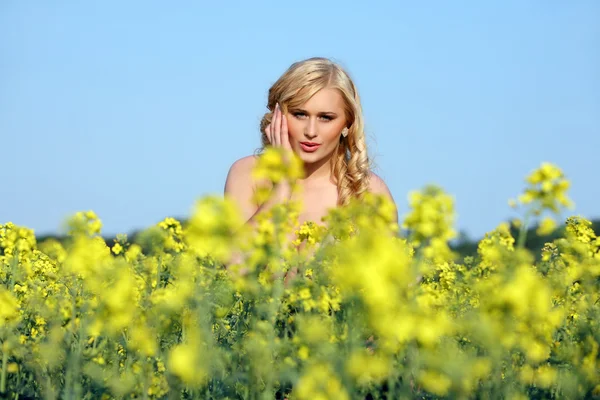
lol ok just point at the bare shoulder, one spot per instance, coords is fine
(377, 185)
(240, 186)
(240, 174)
(243, 165)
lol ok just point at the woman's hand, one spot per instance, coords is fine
(277, 131)
(278, 135)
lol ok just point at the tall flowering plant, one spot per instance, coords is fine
(207, 309)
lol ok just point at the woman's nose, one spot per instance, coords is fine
(310, 130)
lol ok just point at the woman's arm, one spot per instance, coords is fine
(378, 186)
(240, 187)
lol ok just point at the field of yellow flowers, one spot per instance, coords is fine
(369, 314)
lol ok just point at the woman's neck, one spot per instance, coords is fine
(318, 171)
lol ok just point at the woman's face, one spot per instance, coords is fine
(315, 127)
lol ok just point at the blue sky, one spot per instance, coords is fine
(137, 109)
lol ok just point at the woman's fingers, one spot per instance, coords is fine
(277, 131)
(276, 127)
(268, 134)
(285, 136)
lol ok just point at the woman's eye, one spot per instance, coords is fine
(301, 115)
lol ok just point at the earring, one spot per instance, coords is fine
(345, 132)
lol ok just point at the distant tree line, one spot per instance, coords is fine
(463, 245)
(534, 242)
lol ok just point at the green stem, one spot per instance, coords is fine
(4, 368)
(523, 231)
(77, 387)
(146, 380)
(158, 272)
(13, 268)
(17, 393)
(392, 386)
(49, 387)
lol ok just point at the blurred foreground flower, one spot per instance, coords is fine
(349, 309)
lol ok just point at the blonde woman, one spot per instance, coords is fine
(314, 110)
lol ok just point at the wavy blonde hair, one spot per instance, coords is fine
(350, 166)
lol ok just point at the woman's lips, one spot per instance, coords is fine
(309, 147)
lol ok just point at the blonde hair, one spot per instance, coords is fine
(350, 163)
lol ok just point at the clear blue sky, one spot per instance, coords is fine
(136, 109)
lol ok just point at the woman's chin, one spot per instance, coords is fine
(309, 158)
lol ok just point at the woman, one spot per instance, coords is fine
(315, 111)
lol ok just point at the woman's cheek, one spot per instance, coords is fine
(332, 135)
(293, 129)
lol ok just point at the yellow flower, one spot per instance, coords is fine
(546, 190)
(435, 382)
(303, 353)
(313, 329)
(494, 247)
(174, 234)
(537, 352)
(88, 257)
(84, 223)
(160, 366)
(133, 252)
(580, 228)
(430, 223)
(53, 249)
(276, 164)
(16, 241)
(117, 248)
(143, 340)
(319, 382)
(526, 374)
(213, 224)
(99, 360)
(367, 368)
(185, 363)
(9, 307)
(546, 227)
(545, 376)
(175, 316)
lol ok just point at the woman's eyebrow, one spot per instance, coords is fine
(331, 113)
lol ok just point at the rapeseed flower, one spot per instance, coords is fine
(9, 308)
(320, 383)
(370, 312)
(546, 190)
